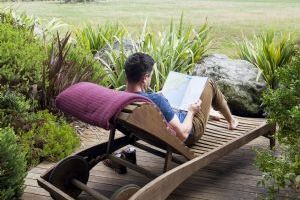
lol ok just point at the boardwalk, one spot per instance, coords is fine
(232, 177)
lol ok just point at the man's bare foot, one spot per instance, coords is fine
(214, 115)
(233, 124)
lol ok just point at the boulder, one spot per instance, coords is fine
(128, 44)
(237, 80)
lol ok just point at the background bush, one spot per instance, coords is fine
(94, 39)
(177, 49)
(282, 168)
(12, 165)
(21, 58)
(268, 53)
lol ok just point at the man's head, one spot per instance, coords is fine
(138, 69)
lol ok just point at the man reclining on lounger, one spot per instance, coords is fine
(189, 126)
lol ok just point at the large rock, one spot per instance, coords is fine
(237, 80)
(128, 44)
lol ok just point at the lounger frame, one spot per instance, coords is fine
(144, 122)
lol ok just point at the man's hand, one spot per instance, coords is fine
(195, 107)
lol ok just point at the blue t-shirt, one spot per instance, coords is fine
(164, 106)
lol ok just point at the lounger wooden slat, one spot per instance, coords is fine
(223, 131)
(212, 140)
(211, 133)
(129, 108)
(213, 144)
(138, 103)
(198, 152)
(204, 149)
(223, 126)
(241, 125)
(201, 145)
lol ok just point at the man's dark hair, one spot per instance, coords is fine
(137, 65)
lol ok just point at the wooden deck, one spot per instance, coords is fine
(232, 177)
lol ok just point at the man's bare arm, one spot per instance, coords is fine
(183, 129)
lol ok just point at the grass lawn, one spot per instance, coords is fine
(230, 19)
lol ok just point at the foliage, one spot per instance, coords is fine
(42, 135)
(21, 58)
(14, 108)
(95, 39)
(68, 64)
(112, 60)
(12, 165)
(268, 52)
(283, 108)
(50, 138)
(177, 49)
(35, 25)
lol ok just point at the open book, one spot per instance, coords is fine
(181, 90)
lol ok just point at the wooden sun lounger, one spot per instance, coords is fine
(141, 121)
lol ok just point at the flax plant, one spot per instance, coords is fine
(268, 52)
(94, 39)
(113, 62)
(177, 49)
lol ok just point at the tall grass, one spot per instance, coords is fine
(268, 52)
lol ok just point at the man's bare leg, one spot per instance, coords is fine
(225, 111)
(220, 104)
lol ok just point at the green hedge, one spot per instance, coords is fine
(282, 169)
(22, 58)
(12, 165)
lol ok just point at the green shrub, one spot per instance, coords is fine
(42, 135)
(12, 165)
(268, 52)
(50, 138)
(282, 169)
(21, 58)
(14, 109)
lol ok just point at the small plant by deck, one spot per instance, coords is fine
(12, 165)
(282, 169)
(49, 138)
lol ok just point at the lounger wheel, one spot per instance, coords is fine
(68, 170)
(125, 192)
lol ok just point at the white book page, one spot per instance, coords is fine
(193, 92)
(175, 87)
